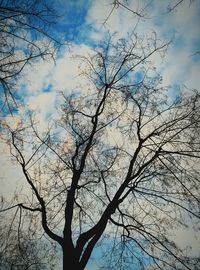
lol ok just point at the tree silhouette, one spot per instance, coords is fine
(119, 168)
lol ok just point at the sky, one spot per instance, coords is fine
(83, 24)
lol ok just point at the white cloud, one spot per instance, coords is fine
(43, 81)
(188, 237)
(66, 73)
(10, 174)
(63, 75)
(179, 66)
(103, 18)
(36, 77)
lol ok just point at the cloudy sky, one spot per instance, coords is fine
(86, 22)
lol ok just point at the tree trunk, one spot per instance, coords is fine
(70, 262)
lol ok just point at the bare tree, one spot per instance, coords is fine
(120, 167)
(24, 37)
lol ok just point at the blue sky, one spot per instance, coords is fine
(73, 18)
(81, 24)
